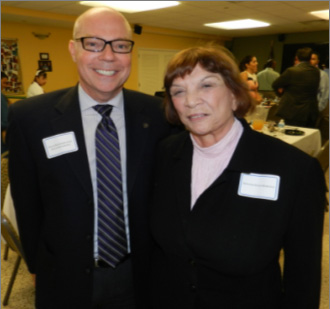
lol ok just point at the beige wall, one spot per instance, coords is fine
(159, 38)
(64, 72)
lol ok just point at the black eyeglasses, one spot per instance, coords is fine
(98, 45)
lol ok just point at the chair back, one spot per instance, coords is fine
(10, 235)
(4, 176)
(323, 156)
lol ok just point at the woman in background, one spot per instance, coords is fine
(226, 203)
(35, 88)
(249, 69)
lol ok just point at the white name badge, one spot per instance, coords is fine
(60, 144)
(259, 186)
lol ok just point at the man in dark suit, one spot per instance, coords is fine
(53, 173)
(298, 86)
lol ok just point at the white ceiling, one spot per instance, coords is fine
(284, 16)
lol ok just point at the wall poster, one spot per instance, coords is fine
(10, 64)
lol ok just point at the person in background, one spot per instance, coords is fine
(40, 80)
(296, 60)
(226, 203)
(249, 68)
(299, 86)
(325, 66)
(267, 76)
(56, 178)
(4, 112)
(323, 91)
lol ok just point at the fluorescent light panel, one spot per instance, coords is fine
(238, 24)
(321, 14)
(132, 6)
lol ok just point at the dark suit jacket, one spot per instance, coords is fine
(54, 199)
(298, 103)
(224, 253)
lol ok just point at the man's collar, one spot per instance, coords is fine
(87, 102)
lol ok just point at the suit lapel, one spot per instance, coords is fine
(137, 132)
(182, 162)
(70, 120)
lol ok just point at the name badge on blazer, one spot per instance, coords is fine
(259, 186)
(60, 144)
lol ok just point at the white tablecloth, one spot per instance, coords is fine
(310, 142)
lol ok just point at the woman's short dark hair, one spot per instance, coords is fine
(246, 60)
(215, 59)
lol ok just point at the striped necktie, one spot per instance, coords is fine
(112, 240)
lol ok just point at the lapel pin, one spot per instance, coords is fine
(145, 125)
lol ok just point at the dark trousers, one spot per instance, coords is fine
(113, 287)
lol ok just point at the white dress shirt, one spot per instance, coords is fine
(266, 78)
(34, 89)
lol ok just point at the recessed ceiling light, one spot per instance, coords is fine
(132, 6)
(238, 24)
(321, 14)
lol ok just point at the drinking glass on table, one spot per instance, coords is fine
(258, 124)
(259, 117)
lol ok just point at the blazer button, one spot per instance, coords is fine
(193, 288)
(89, 237)
(88, 271)
(192, 262)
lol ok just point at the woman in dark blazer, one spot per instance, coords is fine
(228, 199)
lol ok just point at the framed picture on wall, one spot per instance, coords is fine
(44, 56)
(45, 65)
(11, 66)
